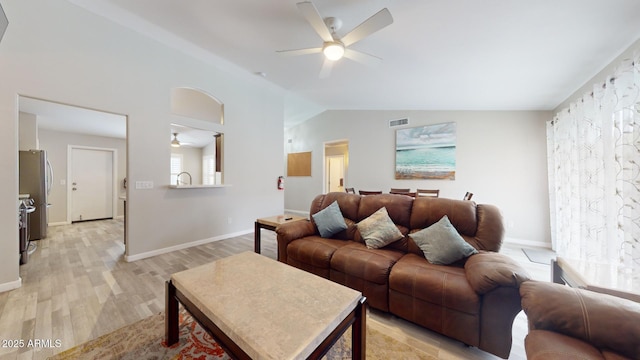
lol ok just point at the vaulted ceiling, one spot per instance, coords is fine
(437, 54)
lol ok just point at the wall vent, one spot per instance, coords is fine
(398, 122)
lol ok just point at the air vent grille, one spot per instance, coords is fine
(398, 122)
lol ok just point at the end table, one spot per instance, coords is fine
(270, 223)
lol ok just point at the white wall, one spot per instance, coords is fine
(500, 157)
(56, 143)
(28, 134)
(54, 50)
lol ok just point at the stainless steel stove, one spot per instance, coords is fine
(25, 207)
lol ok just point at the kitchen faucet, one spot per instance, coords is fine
(178, 178)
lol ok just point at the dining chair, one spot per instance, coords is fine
(396, 190)
(350, 190)
(365, 192)
(427, 192)
(467, 196)
(412, 194)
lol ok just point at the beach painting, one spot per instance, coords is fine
(427, 152)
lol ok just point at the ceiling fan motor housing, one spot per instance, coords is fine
(333, 23)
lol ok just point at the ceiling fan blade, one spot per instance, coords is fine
(300, 51)
(362, 57)
(379, 20)
(309, 11)
(325, 71)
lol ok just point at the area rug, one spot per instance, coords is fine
(145, 340)
(539, 256)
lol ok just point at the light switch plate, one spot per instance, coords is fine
(144, 185)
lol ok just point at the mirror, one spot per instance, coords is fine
(196, 156)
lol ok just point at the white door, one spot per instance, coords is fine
(335, 173)
(91, 184)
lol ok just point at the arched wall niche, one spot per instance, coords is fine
(197, 145)
(196, 104)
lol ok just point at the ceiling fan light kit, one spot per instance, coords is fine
(175, 143)
(333, 50)
(333, 47)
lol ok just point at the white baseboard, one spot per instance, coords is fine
(131, 258)
(11, 285)
(527, 243)
(60, 223)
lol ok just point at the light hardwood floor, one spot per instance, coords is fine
(77, 287)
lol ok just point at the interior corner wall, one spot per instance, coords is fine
(500, 157)
(57, 51)
(28, 134)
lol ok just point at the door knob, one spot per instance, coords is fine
(74, 189)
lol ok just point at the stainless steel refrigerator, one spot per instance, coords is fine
(36, 177)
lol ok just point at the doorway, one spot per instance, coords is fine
(91, 186)
(336, 164)
(56, 127)
(335, 173)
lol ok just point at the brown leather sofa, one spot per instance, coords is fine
(473, 300)
(569, 323)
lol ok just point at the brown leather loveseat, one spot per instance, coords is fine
(473, 300)
(569, 323)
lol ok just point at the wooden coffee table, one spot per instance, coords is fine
(258, 308)
(270, 223)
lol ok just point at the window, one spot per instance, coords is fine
(209, 170)
(176, 167)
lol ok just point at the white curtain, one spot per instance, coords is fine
(593, 152)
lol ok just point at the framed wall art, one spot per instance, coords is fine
(426, 152)
(299, 164)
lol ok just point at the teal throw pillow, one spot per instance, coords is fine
(329, 220)
(378, 230)
(441, 243)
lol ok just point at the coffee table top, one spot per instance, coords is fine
(270, 309)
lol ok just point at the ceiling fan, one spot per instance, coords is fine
(334, 47)
(177, 143)
(174, 141)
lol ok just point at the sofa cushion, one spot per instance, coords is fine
(437, 297)
(426, 211)
(438, 284)
(441, 243)
(313, 254)
(366, 270)
(398, 207)
(378, 230)
(349, 204)
(329, 220)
